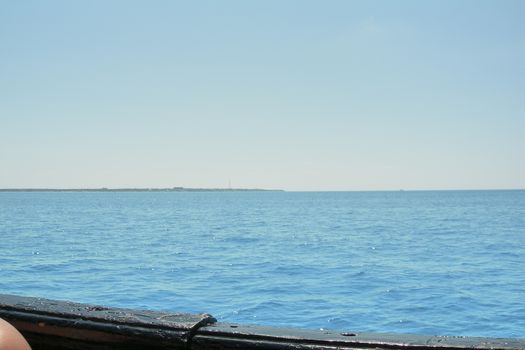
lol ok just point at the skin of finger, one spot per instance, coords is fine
(10, 338)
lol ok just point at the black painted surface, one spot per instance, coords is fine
(50, 324)
(65, 325)
(230, 336)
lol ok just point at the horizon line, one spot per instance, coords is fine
(225, 189)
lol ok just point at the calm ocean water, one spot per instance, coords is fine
(447, 262)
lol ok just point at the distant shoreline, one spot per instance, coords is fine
(184, 189)
(104, 189)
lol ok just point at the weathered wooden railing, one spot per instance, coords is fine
(50, 324)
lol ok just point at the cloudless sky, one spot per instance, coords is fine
(298, 95)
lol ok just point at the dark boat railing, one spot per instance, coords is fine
(51, 324)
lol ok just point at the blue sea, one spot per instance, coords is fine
(424, 262)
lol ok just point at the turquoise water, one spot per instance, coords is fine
(447, 262)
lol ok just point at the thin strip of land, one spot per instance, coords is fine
(167, 189)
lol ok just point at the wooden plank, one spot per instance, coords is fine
(66, 325)
(230, 336)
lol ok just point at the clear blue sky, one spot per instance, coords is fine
(299, 95)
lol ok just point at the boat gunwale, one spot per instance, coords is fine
(93, 326)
